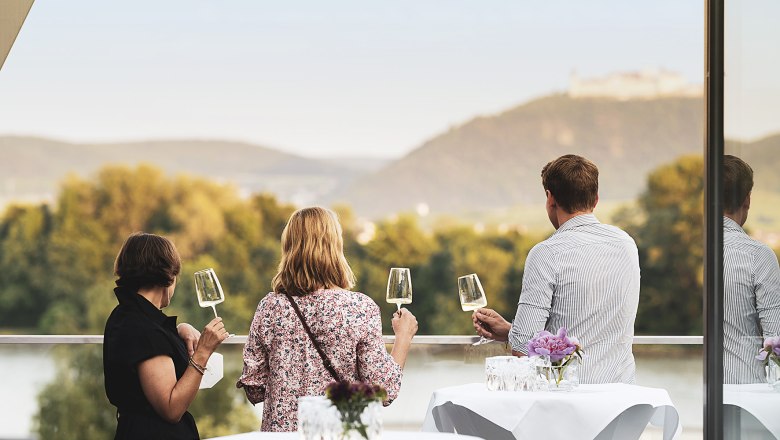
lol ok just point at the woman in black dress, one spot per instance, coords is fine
(149, 375)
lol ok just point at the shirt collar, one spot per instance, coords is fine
(577, 221)
(729, 224)
(130, 297)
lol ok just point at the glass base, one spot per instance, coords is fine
(559, 378)
(483, 340)
(773, 375)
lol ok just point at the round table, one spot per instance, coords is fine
(386, 435)
(603, 411)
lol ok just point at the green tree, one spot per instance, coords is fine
(24, 234)
(74, 406)
(61, 264)
(668, 228)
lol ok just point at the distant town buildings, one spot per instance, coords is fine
(647, 84)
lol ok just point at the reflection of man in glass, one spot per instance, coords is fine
(585, 277)
(751, 281)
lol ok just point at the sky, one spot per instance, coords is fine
(323, 79)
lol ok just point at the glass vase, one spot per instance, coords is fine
(312, 425)
(366, 426)
(773, 375)
(560, 377)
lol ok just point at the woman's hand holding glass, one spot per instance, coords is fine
(404, 327)
(404, 324)
(213, 335)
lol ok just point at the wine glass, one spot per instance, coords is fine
(472, 297)
(399, 286)
(209, 290)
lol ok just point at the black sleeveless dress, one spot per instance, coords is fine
(137, 331)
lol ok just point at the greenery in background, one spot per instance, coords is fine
(74, 405)
(57, 262)
(667, 224)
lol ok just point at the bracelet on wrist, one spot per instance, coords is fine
(198, 367)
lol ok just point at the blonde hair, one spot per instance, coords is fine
(312, 254)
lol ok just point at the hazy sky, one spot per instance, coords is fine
(320, 78)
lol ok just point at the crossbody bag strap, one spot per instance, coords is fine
(325, 359)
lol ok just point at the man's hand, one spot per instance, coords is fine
(490, 324)
(190, 335)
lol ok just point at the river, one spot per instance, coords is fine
(26, 369)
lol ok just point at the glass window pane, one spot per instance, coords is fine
(751, 220)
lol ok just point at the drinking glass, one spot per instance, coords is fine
(472, 297)
(209, 290)
(498, 373)
(399, 286)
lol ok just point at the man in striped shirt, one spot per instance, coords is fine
(751, 281)
(585, 277)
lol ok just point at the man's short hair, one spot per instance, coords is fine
(737, 182)
(573, 181)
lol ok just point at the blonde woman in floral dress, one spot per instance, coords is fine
(281, 362)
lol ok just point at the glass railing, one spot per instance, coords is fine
(56, 384)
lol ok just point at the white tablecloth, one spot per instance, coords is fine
(604, 411)
(757, 399)
(386, 435)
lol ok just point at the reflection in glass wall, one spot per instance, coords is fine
(751, 221)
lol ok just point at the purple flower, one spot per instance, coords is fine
(357, 392)
(350, 399)
(771, 349)
(558, 346)
(338, 391)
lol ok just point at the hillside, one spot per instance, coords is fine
(32, 167)
(763, 155)
(493, 162)
(488, 166)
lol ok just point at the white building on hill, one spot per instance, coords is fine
(647, 84)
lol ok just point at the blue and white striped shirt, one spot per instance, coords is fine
(751, 288)
(585, 277)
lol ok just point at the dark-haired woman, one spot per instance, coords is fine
(149, 374)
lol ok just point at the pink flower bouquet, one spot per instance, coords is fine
(770, 351)
(561, 349)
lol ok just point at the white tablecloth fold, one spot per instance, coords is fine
(602, 411)
(757, 399)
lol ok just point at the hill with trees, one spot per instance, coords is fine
(495, 161)
(33, 167)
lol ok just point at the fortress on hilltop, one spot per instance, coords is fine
(646, 84)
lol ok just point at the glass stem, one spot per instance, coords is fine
(214, 308)
(399, 307)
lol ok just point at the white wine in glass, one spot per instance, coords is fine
(209, 290)
(399, 286)
(472, 297)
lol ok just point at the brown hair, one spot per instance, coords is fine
(737, 182)
(573, 181)
(312, 254)
(146, 261)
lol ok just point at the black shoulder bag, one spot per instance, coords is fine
(325, 360)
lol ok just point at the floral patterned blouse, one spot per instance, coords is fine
(281, 363)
